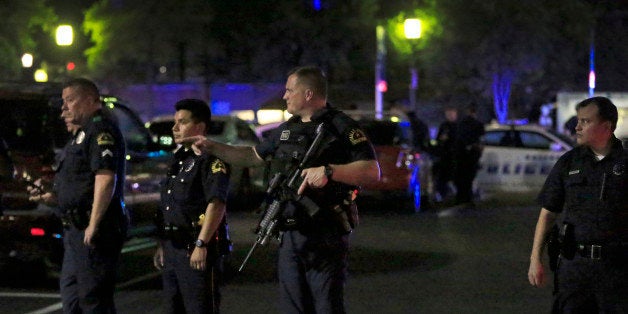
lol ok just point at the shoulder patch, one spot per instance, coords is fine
(105, 139)
(218, 166)
(356, 136)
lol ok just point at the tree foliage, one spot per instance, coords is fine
(23, 23)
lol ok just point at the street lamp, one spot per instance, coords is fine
(41, 75)
(27, 60)
(64, 35)
(412, 30)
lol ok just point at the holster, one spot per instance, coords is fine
(567, 241)
(553, 248)
(76, 217)
(346, 215)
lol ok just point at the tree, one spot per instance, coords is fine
(23, 22)
(132, 40)
(505, 51)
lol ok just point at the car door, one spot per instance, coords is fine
(516, 160)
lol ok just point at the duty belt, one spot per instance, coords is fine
(597, 252)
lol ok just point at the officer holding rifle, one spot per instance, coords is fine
(314, 238)
(589, 187)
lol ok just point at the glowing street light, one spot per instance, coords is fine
(41, 75)
(64, 35)
(27, 60)
(412, 28)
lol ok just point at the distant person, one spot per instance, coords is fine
(420, 130)
(467, 152)
(88, 189)
(193, 213)
(444, 151)
(588, 189)
(570, 126)
(314, 247)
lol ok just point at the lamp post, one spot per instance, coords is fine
(412, 30)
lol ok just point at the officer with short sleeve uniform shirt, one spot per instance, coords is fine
(313, 251)
(590, 191)
(193, 213)
(88, 272)
(193, 181)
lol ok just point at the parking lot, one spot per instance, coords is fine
(438, 261)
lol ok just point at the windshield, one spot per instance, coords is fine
(563, 137)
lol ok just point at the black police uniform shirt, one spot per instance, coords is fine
(287, 145)
(193, 181)
(98, 145)
(593, 194)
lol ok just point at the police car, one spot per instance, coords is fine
(518, 158)
(31, 133)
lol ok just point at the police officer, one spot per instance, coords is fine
(588, 186)
(87, 189)
(467, 153)
(193, 208)
(313, 250)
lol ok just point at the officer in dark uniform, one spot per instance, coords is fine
(589, 187)
(88, 189)
(467, 153)
(193, 200)
(313, 250)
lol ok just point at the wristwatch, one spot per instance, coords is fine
(200, 243)
(329, 171)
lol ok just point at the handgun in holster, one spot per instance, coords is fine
(553, 247)
(347, 212)
(567, 241)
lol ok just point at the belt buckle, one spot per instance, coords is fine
(596, 251)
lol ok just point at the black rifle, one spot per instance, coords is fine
(281, 189)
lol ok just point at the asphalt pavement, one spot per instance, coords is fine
(443, 260)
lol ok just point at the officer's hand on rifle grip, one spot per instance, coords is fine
(314, 177)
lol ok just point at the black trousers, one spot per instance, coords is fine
(88, 274)
(585, 285)
(312, 273)
(188, 290)
(466, 167)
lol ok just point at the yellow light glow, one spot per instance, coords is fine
(266, 116)
(412, 28)
(64, 35)
(246, 115)
(41, 76)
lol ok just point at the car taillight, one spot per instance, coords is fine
(38, 232)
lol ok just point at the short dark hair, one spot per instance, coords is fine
(312, 77)
(605, 109)
(86, 86)
(199, 109)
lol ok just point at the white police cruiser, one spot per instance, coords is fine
(518, 158)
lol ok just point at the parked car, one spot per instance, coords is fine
(405, 171)
(31, 133)
(246, 184)
(518, 158)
